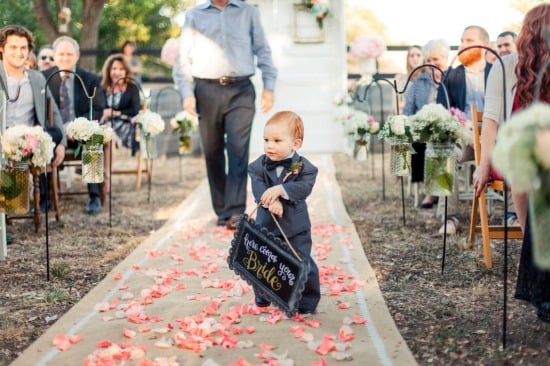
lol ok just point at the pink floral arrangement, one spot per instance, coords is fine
(169, 51)
(367, 47)
(23, 143)
(461, 116)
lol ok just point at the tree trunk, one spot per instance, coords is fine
(91, 14)
(45, 19)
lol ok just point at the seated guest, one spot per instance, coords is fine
(465, 87)
(71, 98)
(25, 89)
(45, 59)
(423, 91)
(123, 103)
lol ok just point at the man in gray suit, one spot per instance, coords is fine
(25, 90)
(25, 93)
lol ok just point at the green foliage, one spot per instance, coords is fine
(58, 295)
(22, 13)
(147, 22)
(60, 270)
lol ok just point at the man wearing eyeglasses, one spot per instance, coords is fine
(45, 58)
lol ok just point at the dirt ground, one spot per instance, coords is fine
(450, 317)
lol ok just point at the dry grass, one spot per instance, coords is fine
(449, 317)
(83, 249)
(454, 317)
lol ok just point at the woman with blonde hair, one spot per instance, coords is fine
(415, 58)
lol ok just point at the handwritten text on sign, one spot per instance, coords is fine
(265, 271)
(265, 262)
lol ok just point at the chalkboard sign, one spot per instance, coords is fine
(266, 263)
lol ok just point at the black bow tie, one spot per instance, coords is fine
(270, 164)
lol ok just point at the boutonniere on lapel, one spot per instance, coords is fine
(293, 169)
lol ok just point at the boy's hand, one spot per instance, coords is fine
(271, 194)
(276, 208)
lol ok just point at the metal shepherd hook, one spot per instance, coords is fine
(90, 98)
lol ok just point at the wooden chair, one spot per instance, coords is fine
(487, 231)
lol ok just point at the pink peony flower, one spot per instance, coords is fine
(169, 51)
(367, 47)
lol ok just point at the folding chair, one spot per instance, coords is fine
(487, 231)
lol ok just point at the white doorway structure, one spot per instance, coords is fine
(312, 71)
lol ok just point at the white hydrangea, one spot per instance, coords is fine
(81, 129)
(150, 123)
(434, 123)
(89, 132)
(521, 152)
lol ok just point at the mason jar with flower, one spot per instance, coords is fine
(91, 137)
(440, 129)
(22, 147)
(522, 155)
(361, 125)
(184, 124)
(150, 125)
(397, 131)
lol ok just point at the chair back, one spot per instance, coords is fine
(477, 121)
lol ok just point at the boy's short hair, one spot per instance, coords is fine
(294, 122)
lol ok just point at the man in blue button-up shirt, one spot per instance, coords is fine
(220, 42)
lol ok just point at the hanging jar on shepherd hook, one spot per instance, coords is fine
(539, 217)
(14, 187)
(148, 146)
(439, 169)
(361, 148)
(92, 163)
(400, 158)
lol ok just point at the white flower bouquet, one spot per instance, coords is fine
(28, 144)
(343, 113)
(397, 128)
(89, 133)
(343, 99)
(184, 123)
(360, 123)
(367, 47)
(522, 149)
(522, 155)
(150, 123)
(434, 123)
